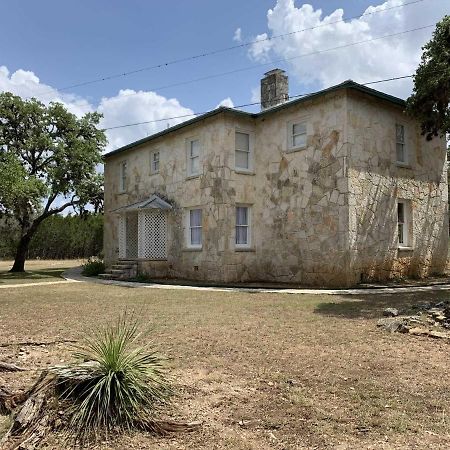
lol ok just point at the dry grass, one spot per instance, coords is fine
(261, 370)
(36, 271)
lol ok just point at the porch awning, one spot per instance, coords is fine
(154, 202)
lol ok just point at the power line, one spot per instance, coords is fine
(245, 105)
(256, 66)
(226, 49)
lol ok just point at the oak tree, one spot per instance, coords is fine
(48, 162)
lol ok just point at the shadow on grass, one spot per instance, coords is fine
(372, 306)
(35, 275)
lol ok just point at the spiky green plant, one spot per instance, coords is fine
(116, 384)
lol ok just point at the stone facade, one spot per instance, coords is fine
(324, 214)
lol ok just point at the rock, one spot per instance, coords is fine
(440, 318)
(390, 312)
(441, 305)
(393, 325)
(438, 335)
(417, 331)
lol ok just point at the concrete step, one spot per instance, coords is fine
(108, 276)
(117, 271)
(122, 266)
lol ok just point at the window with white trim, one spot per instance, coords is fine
(403, 223)
(154, 162)
(242, 226)
(400, 147)
(297, 135)
(193, 157)
(242, 151)
(195, 228)
(123, 176)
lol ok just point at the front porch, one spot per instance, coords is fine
(142, 236)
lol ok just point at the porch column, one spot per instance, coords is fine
(122, 236)
(141, 234)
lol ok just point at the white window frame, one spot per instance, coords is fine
(248, 169)
(248, 226)
(189, 228)
(123, 174)
(189, 157)
(405, 162)
(405, 225)
(153, 161)
(290, 134)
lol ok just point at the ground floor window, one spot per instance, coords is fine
(195, 228)
(242, 226)
(403, 223)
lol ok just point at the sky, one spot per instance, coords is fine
(48, 46)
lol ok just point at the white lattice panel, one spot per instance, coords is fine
(132, 235)
(153, 234)
(122, 237)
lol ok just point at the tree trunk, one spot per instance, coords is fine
(21, 253)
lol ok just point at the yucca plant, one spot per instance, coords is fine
(116, 383)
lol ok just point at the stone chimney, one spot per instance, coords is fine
(274, 88)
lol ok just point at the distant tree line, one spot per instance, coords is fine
(58, 237)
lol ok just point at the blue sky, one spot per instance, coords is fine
(53, 44)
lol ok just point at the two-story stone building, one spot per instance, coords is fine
(328, 189)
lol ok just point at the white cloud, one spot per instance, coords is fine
(371, 61)
(256, 94)
(226, 102)
(128, 106)
(260, 49)
(237, 35)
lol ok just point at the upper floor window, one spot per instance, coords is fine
(154, 162)
(123, 177)
(242, 151)
(242, 226)
(193, 157)
(195, 228)
(297, 135)
(400, 147)
(403, 221)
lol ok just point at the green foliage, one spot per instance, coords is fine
(46, 154)
(430, 100)
(116, 384)
(58, 237)
(93, 267)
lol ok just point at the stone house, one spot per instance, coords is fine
(328, 189)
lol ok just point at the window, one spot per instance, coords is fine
(400, 144)
(123, 176)
(297, 135)
(193, 157)
(195, 228)
(242, 151)
(403, 219)
(154, 162)
(242, 226)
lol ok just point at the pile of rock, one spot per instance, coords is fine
(427, 319)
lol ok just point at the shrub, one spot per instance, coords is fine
(93, 267)
(116, 384)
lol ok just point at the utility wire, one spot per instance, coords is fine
(226, 49)
(245, 105)
(256, 66)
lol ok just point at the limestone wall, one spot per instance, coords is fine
(376, 182)
(298, 200)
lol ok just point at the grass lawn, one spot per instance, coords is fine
(262, 371)
(36, 271)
